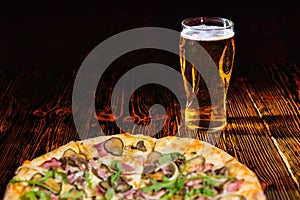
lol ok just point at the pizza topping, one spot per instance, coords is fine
(129, 193)
(68, 153)
(174, 156)
(101, 172)
(73, 194)
(140, 146)
(51, 181)
(233, 185)
(208, 167)
(109, 194)
(143, 195)
(71, 158)
(32, 195)
(52, 185)
(230, 197)
(53, 163)
(151, 163)
(75, 176)
(153, 157)
(117, 165)
(114, 146)
(127, 168)
(171, 171)
(36, 177)
(196, 164)
(105, 185)
(101, 150)
(221, 171)
(121, 185)
(148, 169)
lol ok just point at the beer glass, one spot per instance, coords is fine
(208, 83)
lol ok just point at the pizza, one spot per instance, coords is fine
(126, 166)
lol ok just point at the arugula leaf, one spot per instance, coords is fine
(29, 195)
(169, 157)
(109, 194)
(88, 179)
(174, 186)
(43, 195)
(156, 186)
(68, 195)
(34, 195)
(174, 190)
(62, 175)
(118, 166)
(205, 192)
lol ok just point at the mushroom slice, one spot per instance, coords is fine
(49, 184)
(221, 171)
(148, 169)
(153, 157)
(155, 175)
(102, 172)
(53, 185)
(70, 157)
(140, 145)
(68, 153)
(105, 185)
(195, 164)
(36, 176)
(151, 163)
(114, 146)
(122, 186)
(72, 153)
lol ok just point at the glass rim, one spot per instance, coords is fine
(227, 23)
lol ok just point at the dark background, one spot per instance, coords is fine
(60, 35)
(46, 40)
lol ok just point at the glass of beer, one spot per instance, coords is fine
(207, 52)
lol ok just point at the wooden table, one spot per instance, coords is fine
(263, 129)
(263, 122)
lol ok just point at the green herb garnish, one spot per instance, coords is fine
(174, 186)
(88, 179)
(34, 195)
(117, 165)
(109, 194)
(73, 195)
(170, 157)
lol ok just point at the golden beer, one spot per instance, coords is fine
(216, 37)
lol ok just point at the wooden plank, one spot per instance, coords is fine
(36, 117)
(275, 92)
(248, 139)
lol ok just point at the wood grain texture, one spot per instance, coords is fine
(253, 143)
(263, 121)
(274, 91)
(35, 117)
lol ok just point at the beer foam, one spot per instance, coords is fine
(207, 33)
